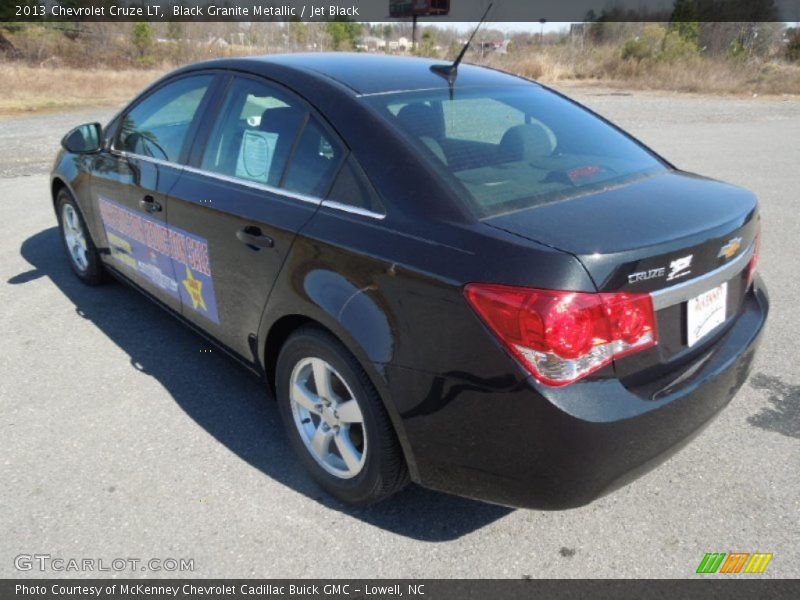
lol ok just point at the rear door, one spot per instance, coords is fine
(251, 184)
(132, 179)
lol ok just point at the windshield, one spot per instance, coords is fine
(515, 147)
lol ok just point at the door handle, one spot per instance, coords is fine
(253, 238)
(149, 204)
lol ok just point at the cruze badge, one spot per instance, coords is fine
(646, 275)
(680, 267)
(730, 249)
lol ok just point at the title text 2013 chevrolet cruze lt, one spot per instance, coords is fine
(471, 282)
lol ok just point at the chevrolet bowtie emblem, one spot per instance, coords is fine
(731, 248)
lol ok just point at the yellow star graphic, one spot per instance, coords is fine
(195, 289)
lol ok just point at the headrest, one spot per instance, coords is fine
(282, 119)
(528, 141)
(422, 120)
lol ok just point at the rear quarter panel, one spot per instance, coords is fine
(395, 298)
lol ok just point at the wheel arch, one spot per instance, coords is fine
(276, 337)
(282, 328)
(56, 185)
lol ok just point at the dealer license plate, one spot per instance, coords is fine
(706, 312)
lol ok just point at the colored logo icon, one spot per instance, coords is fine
(736, 562)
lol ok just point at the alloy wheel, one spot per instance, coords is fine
(74, 237)
(328, 418)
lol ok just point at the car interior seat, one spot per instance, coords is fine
(526, 142)
(427, 124)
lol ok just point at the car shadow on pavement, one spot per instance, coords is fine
(229, 402)
(783, 416)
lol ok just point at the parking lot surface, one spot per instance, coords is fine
(124, 434)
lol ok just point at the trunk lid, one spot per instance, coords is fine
(675, 235)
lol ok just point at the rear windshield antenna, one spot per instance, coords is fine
(450, 72)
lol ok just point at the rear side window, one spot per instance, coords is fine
(255, 133)
(353, 189)
(158, 126)
(510, 148)
(314, 161)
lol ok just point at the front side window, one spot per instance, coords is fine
(254, 134)
(159, 125)
(515, 147)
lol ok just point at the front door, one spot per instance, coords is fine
(133, 178)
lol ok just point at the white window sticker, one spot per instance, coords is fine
(255, 155)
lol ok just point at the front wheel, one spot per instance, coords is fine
(81, 252)
(336, 421)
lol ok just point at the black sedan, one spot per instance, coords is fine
(461, 279)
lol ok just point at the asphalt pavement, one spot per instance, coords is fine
(123, 436)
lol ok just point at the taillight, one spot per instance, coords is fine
(751, 269)
(561, 337)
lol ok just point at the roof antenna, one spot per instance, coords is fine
(450, 72)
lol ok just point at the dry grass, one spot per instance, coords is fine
(696, 74)
(35, 88)
(26, 88)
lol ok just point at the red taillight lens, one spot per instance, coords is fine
(561, 337)
(630, 317)
(751, 269)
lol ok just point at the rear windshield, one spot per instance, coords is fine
(515, 147)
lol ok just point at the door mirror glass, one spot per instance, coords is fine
(84, 139)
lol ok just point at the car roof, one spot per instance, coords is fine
(367, 73)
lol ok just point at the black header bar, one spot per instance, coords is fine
(561, 11)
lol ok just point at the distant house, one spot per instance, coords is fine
(217, 41)
(371, 43)
(499, 46)
(399, 45)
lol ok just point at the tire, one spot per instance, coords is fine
(81, 252)
(375, 468)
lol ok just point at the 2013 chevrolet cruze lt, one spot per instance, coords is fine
(473, 282)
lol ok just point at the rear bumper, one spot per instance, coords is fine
(512, 441)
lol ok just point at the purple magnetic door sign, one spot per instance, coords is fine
(174, 260)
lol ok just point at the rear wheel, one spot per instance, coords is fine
(81, 252)
(336, 421)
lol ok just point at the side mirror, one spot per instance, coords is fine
(84, 139)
